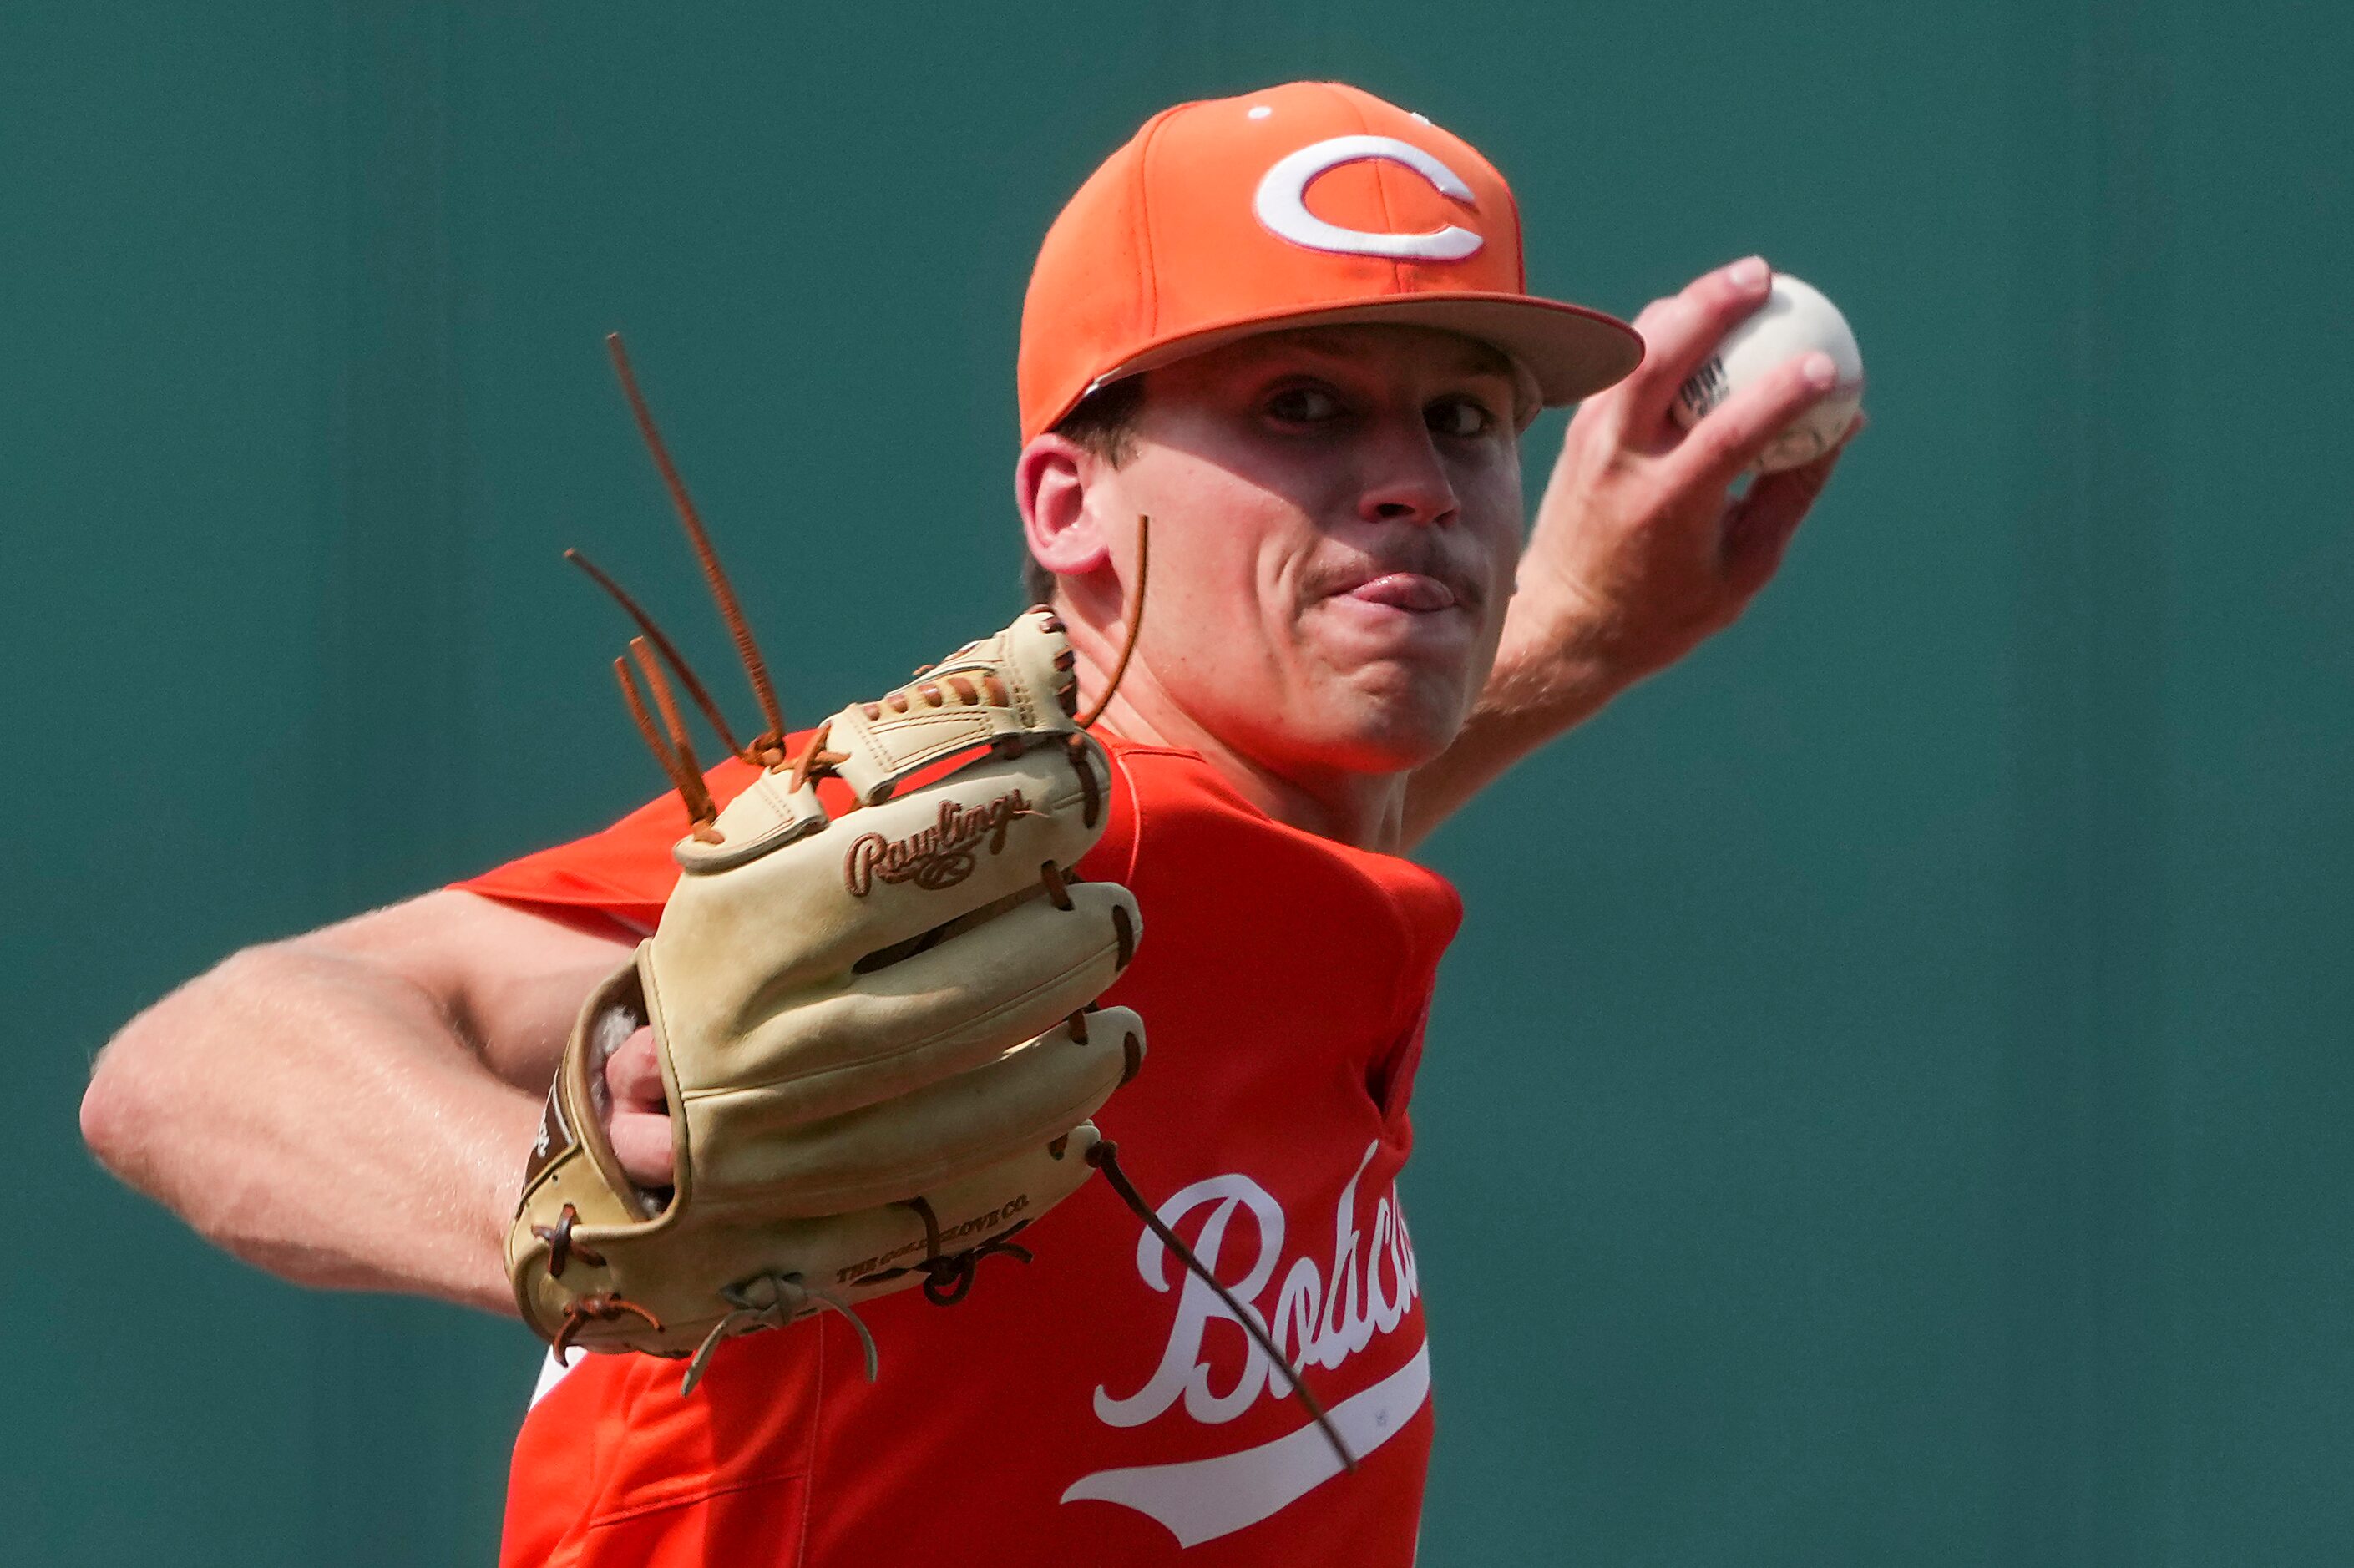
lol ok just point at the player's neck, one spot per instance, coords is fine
(1366, 811)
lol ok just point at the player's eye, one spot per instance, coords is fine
(1307, 405)
(1458, 417)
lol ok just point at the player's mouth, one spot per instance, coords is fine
(1410, 592)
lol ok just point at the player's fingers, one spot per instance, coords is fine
(634, 1076)
(1681, 332)
(641, 1143)
(639, 1127)
(1761, 524)
(1737, 431)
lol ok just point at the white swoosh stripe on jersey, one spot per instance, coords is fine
(1202, 1499)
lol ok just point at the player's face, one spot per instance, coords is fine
(1336, 518)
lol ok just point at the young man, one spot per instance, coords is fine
(1290, 328)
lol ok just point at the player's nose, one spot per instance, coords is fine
(1404, 479)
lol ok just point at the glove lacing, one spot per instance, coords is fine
(947, 1277)
(787, 1297)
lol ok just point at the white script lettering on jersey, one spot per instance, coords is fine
(1281, 203)
(1317, 1321)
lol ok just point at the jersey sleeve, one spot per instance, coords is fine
(624, 870)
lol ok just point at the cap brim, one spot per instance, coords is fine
(1569, 351)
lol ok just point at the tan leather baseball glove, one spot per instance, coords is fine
(872, 1030)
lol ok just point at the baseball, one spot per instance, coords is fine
(1795, 319)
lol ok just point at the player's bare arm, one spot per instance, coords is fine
(1639, 551)
(349, 1108)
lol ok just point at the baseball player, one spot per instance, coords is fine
(1291, 328)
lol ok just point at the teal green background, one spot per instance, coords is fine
(1888, 1102)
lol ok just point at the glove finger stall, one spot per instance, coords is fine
(1012, 684)
(935, 1013)
(888, 1153)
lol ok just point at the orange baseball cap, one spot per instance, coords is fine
(1311, 204)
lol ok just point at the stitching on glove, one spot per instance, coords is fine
(947, 1277)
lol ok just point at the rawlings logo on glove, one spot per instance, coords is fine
(941, 855)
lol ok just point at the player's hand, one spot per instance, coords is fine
(1640, 551)
(640, 1124)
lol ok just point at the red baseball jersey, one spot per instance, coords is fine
(1097, 1405)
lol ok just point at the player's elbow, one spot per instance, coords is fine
(127, 1101)
(107, 1115)
(140, 1082)
(117, 1106)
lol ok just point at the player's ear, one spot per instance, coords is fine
(1050, 486)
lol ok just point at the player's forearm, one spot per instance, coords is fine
(320, 1118)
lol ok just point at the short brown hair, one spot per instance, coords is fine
(1104, 425)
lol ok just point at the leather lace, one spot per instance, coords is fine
(948, 1276)
(1135, 625)
(770, 746)
(601, 1307)
(1105, 1157)
(771, 1301)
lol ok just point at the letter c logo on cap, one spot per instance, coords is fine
(1281, 202)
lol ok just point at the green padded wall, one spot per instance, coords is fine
(1888, 1102)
